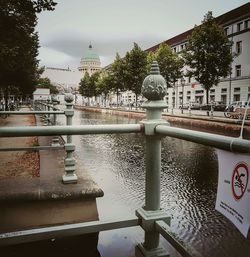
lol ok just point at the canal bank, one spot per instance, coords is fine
(215, 124)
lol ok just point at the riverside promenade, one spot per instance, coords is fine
(32, 194)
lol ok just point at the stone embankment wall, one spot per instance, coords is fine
(218, 125)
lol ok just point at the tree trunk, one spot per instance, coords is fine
(117, 95)
(207, 90)
(6, 96)
(136, 101)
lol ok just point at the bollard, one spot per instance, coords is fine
(69, 162)
(212, 111)
(154, 89)
(189, 109)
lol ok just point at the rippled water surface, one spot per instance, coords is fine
(188, 186)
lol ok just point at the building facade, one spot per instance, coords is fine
(236, 87)
(90, 62)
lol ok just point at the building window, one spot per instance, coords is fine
(226, 30)
(239, 26)
(188, 92)
(237, 89)
(238, 70)
(174, 49)
(239, 47)
(212, 91)
(247, 24)
(199, 91)
(223, 90)
(236, 98)
(189, 79)
(223, 99)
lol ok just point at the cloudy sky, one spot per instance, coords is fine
(113, 25)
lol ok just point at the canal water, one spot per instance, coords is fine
(188, 189)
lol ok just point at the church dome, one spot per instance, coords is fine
(90, 55)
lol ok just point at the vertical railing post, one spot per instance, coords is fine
(55, 139)
(69, 162)
(154, 89)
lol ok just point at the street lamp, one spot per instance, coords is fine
(182, 86)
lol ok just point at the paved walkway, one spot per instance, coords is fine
(41, 196)
(20, 183)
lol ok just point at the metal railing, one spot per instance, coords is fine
(45, 110)
(150, 217)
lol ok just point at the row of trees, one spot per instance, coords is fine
(207, 57)
(19, 44)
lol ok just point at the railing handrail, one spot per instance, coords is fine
(222, 142)
(231, 144)
(69, 130)
(31, 112)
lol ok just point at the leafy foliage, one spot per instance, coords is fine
(19, 43)
(170, 63)
(88, 85)
(136, 69)
(46, 83)
(208, 53)
(117, 74)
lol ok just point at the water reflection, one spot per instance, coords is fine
(188, 186)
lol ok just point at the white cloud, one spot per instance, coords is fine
(113, 25)
(50, 57)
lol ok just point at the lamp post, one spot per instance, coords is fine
(182, 86)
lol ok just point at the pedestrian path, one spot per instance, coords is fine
(45, 188)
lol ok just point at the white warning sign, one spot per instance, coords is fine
(233, 194)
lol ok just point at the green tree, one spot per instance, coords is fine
(46, 83)
(19, 43)
(136, 69)
(208, 53)
(117, 76)
(103, 85)
(170, 63)
(86, 87)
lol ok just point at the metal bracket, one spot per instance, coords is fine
(148, 218)
(69, 147)
(69, 112)
(150, 125)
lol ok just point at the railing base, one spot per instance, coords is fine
(141, 251)
(72, 179)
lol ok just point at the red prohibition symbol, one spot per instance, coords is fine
(239, 180)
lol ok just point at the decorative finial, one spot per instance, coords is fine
(154, 86)
(155, 68)
(68, 98)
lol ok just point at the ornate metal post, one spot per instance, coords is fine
(55, 139)
(154, 89)
(69, 162)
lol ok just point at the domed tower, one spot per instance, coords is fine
(90, 62)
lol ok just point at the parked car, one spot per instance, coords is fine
(218, 106)
(193, 106)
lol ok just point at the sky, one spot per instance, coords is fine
(112, 26)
